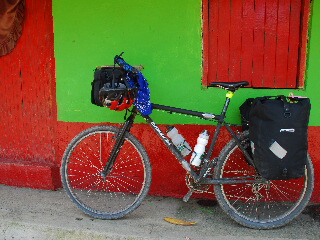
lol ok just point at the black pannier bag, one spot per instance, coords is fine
(244, 113)
(104, 75)
(279, 136)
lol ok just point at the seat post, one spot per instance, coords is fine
(229, 95)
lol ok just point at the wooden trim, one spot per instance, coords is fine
(205, 41)
(304, 43)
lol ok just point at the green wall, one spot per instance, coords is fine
(162, 35)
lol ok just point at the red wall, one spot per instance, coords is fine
(168, 177)
(32, 141)
(28, 105)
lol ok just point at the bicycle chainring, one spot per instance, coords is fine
(196, 187)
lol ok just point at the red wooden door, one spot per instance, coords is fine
(260, 41)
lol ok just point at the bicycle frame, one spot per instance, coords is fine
(207, 163)
(107, 173)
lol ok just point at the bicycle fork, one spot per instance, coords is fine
(118, 144)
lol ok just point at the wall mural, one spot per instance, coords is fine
(11, 19)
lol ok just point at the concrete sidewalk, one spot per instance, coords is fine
(41, 214)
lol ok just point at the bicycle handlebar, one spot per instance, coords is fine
(124, 65)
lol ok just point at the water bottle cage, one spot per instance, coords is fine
(181, 147)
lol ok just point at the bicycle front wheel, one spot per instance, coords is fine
(256, 205)
(124, 187)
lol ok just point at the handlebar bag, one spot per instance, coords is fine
(103, 75)
(279, 136)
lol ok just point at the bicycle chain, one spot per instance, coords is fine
(195, 187)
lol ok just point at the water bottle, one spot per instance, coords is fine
(178, 140)
(199, 149)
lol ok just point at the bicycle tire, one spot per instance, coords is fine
(259, 206)
(125, 186)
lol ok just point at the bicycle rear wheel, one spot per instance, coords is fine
(260, 206)
(124, 187)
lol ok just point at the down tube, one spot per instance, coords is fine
(170, 145)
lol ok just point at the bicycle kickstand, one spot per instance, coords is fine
(187, 196)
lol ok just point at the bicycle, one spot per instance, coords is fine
(107, 173)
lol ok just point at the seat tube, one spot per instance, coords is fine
(214, 140)
(221, 122)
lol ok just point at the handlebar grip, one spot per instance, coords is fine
(123, 64)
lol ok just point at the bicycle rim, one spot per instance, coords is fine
(262, 206)
(124, 187)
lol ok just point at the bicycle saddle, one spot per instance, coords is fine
(230, 86)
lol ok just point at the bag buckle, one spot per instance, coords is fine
(287, 114)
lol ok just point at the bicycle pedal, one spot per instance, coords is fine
(187, 196)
